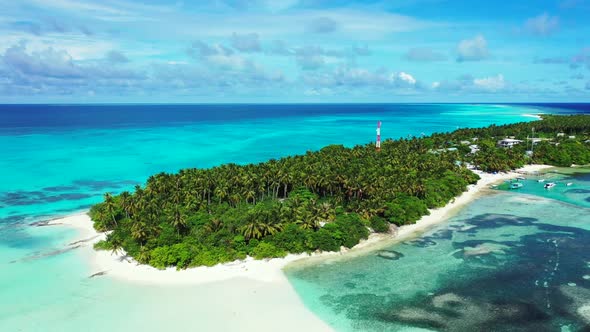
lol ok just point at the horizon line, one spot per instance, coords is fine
(299, 103)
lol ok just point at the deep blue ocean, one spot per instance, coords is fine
(60, 159)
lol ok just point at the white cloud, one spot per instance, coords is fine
(472, 49)
(318, 92)
(80, 6)
(361, 50)
(79, 47)
(231, 62)
(279, 47)
(362, 25)
(493, 83)
(279, 5)
(222, 57)
(322, 25)
(310, 62)
(54, 71)
(345, 78)
(358, 77)
(248, 42)
(201, 49)
(404, 78)
(116, 57)
(119, 11)
(470, 84)
(423, 54)
(312, 57)
(542, 25)
(270, 5)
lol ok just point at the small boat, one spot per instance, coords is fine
(520, 178)
(569, 184)
(516, 185)
(541, 180)
(549, 185)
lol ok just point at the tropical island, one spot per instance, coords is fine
(323, 200)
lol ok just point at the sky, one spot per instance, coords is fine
(289, 51)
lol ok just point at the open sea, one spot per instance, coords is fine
(510, 261)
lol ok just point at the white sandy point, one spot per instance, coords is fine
(268, 270)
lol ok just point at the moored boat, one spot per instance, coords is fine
(549, 185)
(516, 185)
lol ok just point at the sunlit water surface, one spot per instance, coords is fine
(511, 261)
(60, 159)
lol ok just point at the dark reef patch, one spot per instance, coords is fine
(391, 255)
(578, 191)
(11, 220)
(40, 255)
(513, 285)
(60, 188)
(99, 185)
(443, 234)
(421, 242)
(67, 197)
(21, 198)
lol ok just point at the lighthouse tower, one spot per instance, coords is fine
(378, 144)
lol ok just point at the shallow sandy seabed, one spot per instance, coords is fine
(260, 284)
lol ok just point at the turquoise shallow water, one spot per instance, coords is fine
(67, 166)
(60, 159)
(511, 261)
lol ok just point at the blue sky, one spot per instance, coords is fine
(78, 51)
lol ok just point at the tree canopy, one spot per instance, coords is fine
(321, 200)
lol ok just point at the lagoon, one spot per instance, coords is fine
(60, 159)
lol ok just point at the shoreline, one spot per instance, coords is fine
(125, 268)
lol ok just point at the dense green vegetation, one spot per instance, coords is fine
(552, 150)
(322, 200)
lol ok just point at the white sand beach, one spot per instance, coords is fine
(270, 270)
(263, 279)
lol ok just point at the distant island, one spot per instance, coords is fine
(321, 200)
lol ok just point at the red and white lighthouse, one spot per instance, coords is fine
(378, 144)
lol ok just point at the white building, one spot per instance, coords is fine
(536, 140)
(508, 142)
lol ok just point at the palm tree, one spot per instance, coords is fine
(109, 204)
(139, 231)
(326, 211)
(252, 230)
(178, 220)
(126, 202)
(116, 243)
(250, 195)
(221, 193)
(306, 220)
(144, 255)
(213, 226)
(256, 229)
